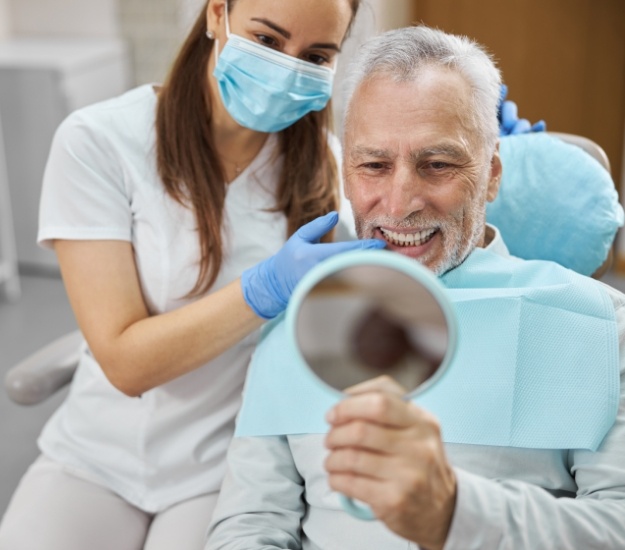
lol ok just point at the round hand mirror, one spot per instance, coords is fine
(362, 315)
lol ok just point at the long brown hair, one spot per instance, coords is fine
(192, 172)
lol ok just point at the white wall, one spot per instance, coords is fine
(93, 18)
(374, 17)
(154, 29)
(188, 10)
(5, 19)
(391, 14)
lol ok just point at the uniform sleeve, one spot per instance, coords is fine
(506, 514)
(261, 503)
(345, 229)
(83, 196)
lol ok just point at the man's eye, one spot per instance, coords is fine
(437, 165)
(373, 165)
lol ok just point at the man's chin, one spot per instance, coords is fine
(437, 265)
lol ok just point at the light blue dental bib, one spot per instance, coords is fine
(537, 363)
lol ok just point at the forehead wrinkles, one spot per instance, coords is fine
(365, 151)
(454, 151)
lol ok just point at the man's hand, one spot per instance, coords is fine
(389, 454)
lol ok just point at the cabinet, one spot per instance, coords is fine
(41, 82)
(9, 280)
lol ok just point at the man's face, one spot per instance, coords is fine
(416, 172)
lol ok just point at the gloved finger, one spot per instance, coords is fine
(503, 92)
(522, 126)
(509, 115)
(330, 249)
(540, 126)
(314, 230)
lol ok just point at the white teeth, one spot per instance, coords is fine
(408, 239)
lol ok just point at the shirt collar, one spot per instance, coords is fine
(496, 243)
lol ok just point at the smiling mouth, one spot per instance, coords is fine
(417, 238)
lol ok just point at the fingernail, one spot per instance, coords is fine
(330, 416)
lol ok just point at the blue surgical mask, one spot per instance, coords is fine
(266, 90)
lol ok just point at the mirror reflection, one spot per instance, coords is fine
(366, 321)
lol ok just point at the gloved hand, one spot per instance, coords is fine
(509, 121)
(268, 285)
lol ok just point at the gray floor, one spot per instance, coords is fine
(42, 314)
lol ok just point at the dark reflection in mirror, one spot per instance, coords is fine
(367, 321)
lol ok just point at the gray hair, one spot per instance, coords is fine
(402, 53)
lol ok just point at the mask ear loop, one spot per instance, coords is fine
(216, 45)
(227, 22)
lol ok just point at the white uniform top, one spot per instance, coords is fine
(101, 182)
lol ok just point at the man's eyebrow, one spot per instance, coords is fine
(446, 150)
(364, 151)
(287, 35)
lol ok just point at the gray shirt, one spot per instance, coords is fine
(275, 494)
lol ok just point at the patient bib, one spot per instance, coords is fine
(537, 363)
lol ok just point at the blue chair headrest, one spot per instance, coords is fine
(556, 202)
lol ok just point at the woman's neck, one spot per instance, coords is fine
(236, 145)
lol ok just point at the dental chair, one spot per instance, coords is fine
(596, 152)
(43, 373)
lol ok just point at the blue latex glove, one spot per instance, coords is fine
(509, 121)
(268, 285)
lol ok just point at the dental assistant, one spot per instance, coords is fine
(169, 208)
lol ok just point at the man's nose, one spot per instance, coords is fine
(406, 192)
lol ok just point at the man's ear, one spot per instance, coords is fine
(346, 146)
(215, 14)
(496, 171)
(347, 185)
(347, 188)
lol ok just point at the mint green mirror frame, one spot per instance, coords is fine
(391, 260)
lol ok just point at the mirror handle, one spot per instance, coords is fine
(360, 511)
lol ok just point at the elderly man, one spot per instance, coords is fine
(420, 163)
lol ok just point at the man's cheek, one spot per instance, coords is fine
(367, 195)
(351, 185)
